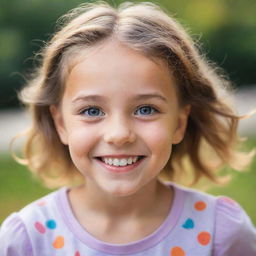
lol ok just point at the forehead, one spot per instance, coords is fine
(114, 64)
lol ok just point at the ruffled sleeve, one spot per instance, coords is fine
(234, 232)
(14, 240)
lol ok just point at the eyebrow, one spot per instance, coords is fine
(99, 98)
(88, 98)
(150, 96)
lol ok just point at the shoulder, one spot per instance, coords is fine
(15, 231)
(14, 238)
(229, 226)
(45, 206)
(234, 231)
(195, 199)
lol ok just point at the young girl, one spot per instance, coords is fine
(121, 99)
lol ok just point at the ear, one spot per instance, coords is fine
(59, 123)
(181, 124)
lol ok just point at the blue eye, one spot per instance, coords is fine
(146, 110)
(93, 112)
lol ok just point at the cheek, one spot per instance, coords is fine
(158, 131)
(81, 141)
(158, 137)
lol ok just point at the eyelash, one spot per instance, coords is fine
(155, 110)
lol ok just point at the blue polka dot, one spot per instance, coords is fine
(51, 224)
(189, 224)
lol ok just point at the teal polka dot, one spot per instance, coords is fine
(188, 224)
(51, 224)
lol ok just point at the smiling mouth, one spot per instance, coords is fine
(120, 162)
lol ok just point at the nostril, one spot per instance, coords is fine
(119, 135)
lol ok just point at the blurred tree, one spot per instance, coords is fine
(227, 33)
(226, 29)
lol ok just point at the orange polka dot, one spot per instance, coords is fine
(204, 238)
(177, 251)
(59, 242)
(200, 205)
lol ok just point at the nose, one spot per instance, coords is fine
(119, 131)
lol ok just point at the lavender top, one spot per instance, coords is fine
(197, 224)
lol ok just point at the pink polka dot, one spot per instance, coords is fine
(41, 203)
(40, 227)
(228, 200)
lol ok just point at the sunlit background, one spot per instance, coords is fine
(224, 29)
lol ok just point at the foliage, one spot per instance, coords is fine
(226, 29)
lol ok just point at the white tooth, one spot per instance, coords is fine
(129, 160)
(134, 159)
(120, 162)
(123, 162)
(116, 162)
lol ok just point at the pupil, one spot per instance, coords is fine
(93, 112)
(145, 110)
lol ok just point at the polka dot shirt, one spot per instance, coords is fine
(198, 224)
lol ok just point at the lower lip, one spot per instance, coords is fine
(120, 169)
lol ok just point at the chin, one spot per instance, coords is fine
(121, 190)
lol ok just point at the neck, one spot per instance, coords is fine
(117, 207)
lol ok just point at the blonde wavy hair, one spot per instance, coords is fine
(145, 27)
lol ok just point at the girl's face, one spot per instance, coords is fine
(119, 117)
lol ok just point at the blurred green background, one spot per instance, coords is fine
(226, 30)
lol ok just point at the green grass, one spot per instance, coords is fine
(18, 188)
(242, 187)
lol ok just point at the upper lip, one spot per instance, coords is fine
(119, 156)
